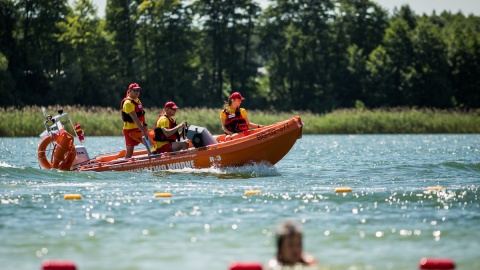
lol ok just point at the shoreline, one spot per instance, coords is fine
(103, 121)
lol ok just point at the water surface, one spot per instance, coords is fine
(388, 221)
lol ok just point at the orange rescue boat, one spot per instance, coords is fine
(268, 144)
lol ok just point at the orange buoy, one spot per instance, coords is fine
(436, 263)
(245, 266)
(72, 197)
(343, 189)
(42, 147)
(253, 192)
(62, 150)
(58, 265)
(69, 161)
(163, 195)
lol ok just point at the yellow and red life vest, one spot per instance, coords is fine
(138, 110)
(235, 122)
(160, 136)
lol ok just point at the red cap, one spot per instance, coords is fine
(134, 86)
(236, 95)
(171, 105)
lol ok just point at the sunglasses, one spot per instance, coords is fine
(136, 90)
(172, 109)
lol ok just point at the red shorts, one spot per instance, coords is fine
(166, 148)
(133, 137)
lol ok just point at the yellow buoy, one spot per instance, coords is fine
(434, 188)
(253, 192)
(163, 195)
(72, 197)
(343, 189)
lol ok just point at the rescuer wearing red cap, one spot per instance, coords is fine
(234, 119)
(167, 137)
(133, 116)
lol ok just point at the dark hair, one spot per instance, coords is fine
(286, 229)
(227, 104)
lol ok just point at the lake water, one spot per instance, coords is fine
(388, 221)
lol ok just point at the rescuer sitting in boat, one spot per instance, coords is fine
(234, 119)
(167, 137)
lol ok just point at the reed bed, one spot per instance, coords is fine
(101, 121)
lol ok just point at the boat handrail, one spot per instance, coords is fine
(57, 125)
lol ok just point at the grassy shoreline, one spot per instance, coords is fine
(100, 121)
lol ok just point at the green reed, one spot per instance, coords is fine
(100, 121)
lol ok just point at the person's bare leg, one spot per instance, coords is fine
(179, 146)
(129, 152)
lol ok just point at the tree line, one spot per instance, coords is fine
(315, 55)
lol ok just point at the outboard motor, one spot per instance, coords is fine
(200, 136)
(82, 154)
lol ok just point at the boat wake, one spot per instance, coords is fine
(5, 165)
(247, 171)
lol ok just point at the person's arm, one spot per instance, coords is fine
(272, 264)
(253, 125)
(249, 124)
(309, 259)
(171, 131)
(138, 123)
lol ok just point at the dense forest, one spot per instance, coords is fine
(315, 55)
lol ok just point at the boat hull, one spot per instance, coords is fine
(265, 145)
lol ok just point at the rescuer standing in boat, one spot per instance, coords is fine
(133, 116)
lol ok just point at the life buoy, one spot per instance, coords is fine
(41, 155)
(70, 159)
(63, 153)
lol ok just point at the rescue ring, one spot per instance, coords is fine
(63, 153)
(42, 157)
(71, 158)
